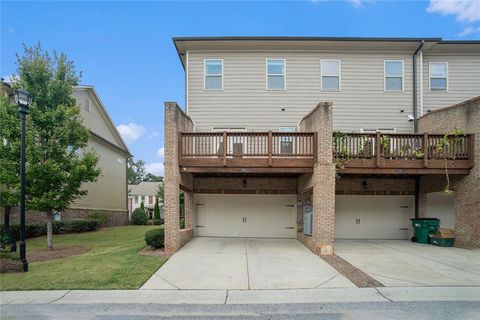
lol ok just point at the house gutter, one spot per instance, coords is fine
(415, 100)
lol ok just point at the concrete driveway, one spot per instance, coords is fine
(237, 263)
(404, 263)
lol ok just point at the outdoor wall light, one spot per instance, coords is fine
(244, 183)
(364, 185)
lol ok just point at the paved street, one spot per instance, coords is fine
(330, 311)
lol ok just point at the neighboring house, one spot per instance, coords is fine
(267, 118)
(146, 192)
(109, 192)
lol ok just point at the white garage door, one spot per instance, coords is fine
(269, 216)
(373, 217)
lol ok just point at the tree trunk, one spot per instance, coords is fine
(50, 229)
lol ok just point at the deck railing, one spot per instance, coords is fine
(402, 151)
(247, 149)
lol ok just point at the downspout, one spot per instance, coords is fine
(415, 107)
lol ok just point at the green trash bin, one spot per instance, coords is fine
(423, 227)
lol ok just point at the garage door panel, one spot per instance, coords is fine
(373, 217)
(246, 215)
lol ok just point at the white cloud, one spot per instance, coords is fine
(463, 10)
(468, 31)
(130, 132)
(161, 152)
(153, 134)
(155, 167)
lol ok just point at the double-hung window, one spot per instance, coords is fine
(438, 76)
(393, 70)
(213, 70)
(330, 74)
(275, 74)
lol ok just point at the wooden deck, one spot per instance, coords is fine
(255, 152)
(296, 152)
(402, 153)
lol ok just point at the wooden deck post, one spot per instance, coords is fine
(425, 150)
(377, 149)
(270, 146)
(225, 146)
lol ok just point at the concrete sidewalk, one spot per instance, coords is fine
(325, 295)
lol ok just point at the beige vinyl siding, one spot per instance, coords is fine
(463, 81)
(244, 101)
(109, 191)
(94, 119)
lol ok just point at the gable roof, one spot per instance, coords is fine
(107, 120)
(144, 188)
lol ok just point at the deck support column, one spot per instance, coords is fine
(175, 121)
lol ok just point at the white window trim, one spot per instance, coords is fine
(430, 77)
(327, 75)
(284, 74)
(281, 129)
(205, 74)
(229, 129)
(385, 76)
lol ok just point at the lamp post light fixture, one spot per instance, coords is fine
(23, 100)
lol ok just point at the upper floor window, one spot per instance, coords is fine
(275, 74)
(213, 74)
(150, 199)
(438, 76)
(143, 199)
(393, 75)
(136, 199)
(330, 75)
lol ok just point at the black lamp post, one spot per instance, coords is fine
(23, 100)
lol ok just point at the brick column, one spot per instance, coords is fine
(323, 179)
(189, 211)
(175, 121)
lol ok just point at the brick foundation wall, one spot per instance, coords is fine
(115, 218)
(464, 116)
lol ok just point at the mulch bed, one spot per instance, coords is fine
(56, 253)
(352, 273)
(8, 265)
(148, 251)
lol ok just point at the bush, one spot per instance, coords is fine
(101, 216)
(149, 223)
(139, 217)
(81, 225)
(156, 211)
(157, 222)
(182, 223)
(155, 238)
(40, 229)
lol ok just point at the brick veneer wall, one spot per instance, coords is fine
(255, 185)
(175, 121)
(321, 182)
(464, 116)
(115, 218)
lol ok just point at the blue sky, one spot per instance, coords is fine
(125, 50)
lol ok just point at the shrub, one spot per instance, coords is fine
(101, 216)
(157, 222)
(155, 238)
(156, 211)
(139, 217)
(82, 225)
(40, 229)
(182, 223)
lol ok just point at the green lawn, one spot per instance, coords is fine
(112, 263)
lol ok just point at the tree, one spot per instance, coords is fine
(160, 192)
(156, 211)
(58, 161)
(9, 163)
(136, 171)
(142, 206)
(150, 177)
